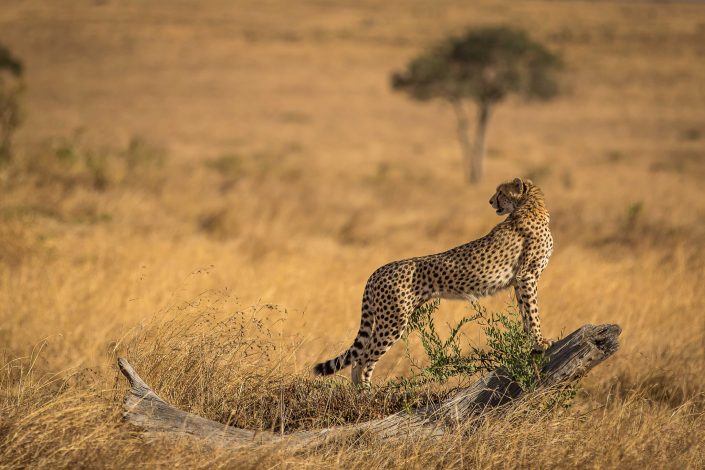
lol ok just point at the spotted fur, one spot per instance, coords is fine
(513, 254)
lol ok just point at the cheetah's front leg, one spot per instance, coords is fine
(526, 290)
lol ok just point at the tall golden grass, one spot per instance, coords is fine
(282, 171)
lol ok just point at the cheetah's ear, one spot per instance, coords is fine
(519, 186)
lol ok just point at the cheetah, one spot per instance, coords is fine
(513, 254)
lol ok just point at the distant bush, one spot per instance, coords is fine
(70, 163)
(11, 88)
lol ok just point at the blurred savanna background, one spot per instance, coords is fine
(204, 187)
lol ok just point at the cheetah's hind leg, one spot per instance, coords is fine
(356, 373)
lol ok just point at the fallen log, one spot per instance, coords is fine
(566, 361)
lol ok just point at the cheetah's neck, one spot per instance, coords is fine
(531, 205)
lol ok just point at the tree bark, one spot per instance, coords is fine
(566, 361)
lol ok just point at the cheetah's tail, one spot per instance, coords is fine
(346, 358)
(334, 365)
(367, 324)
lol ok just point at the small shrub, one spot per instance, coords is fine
(445, 356)
(509, 347)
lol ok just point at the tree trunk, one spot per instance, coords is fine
(566, 361)
(478, 151)
(473, 156)
(5, 129)
(464, 138)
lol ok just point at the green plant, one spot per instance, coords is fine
(445, 356)
(508, 347)
(483, 65)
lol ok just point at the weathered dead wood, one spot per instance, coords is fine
(566, 361)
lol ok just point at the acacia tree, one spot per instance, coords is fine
(10, 89)
(483, 65)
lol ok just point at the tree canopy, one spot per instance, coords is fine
(483, 64)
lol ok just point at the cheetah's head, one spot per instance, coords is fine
(508, 196)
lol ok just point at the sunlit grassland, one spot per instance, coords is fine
(277, 170)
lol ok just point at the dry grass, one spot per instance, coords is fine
(282, 171)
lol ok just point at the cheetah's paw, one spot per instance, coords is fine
(542, 345)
